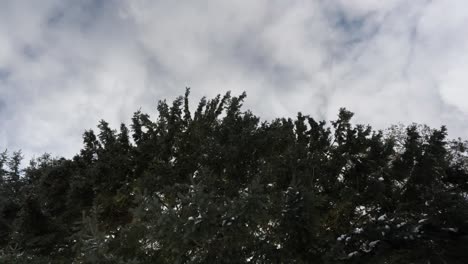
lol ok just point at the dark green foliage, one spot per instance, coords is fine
(220, 186)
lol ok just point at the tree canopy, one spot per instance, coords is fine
(221, 186)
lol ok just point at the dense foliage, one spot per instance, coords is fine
(220, 186)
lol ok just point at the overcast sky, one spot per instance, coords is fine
(66, 64)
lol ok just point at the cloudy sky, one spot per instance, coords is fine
(66, 64)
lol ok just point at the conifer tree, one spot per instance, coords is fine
(220, 185)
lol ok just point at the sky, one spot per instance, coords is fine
(66, 64)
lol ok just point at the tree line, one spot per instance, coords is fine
(221, 186)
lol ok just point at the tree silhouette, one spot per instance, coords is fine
(221, 186)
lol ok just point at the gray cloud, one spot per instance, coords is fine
(66, 64)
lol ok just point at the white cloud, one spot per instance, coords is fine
(65, 65)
